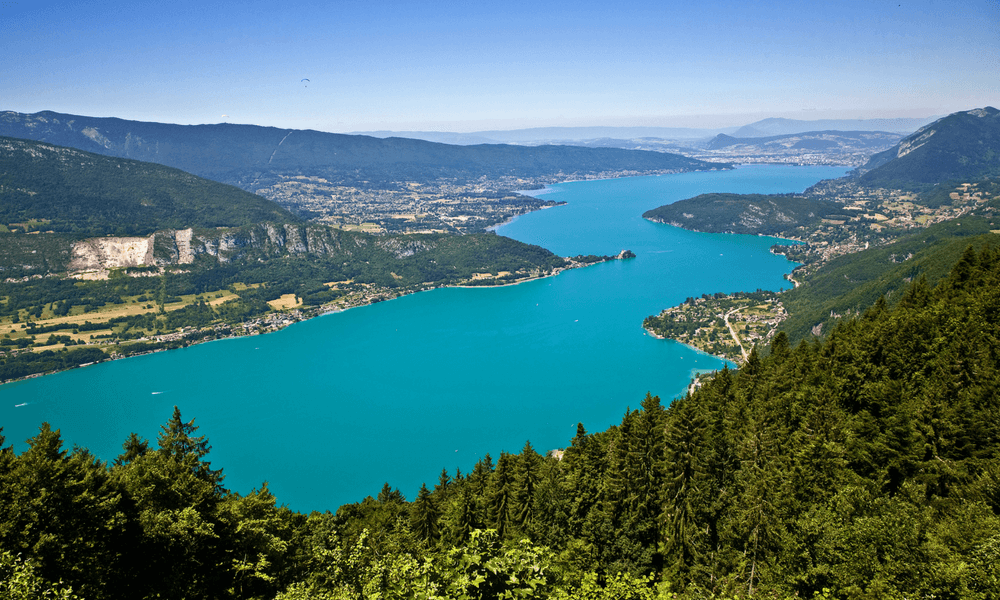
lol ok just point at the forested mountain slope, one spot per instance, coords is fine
(847, 285)
(239, 154)
(47, 187)
(861, 466)
(964, 146)
(766, 214)
(127, 257)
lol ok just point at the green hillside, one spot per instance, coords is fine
(45, 187)
(962, 147)
(744, 213)
(849, 284)
(192, 260)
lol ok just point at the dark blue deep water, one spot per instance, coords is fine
(329, 409)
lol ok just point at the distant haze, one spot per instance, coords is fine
(541, 134)
(763, 128)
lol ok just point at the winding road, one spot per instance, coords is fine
(732, 332)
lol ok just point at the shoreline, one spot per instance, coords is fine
(283, 319)
(696, 374)
(493, 228)
(653, 334)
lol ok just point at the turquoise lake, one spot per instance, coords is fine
(329, 409)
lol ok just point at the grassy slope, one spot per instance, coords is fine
(851, 283)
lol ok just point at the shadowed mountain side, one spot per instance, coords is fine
(46, 187)
(963, 146)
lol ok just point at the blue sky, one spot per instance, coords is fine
(472, 65)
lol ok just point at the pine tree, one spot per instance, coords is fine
(526, 476)
(443, 485)
(682, 492)
(133, 448)
(500, 496)
(176, 496)
(61, 511)
(644, 467)
(388, 495)
(462, 517)
(424, 517)
(177, 441)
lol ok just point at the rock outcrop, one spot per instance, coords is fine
(94, 258)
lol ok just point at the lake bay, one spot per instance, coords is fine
(328, 409)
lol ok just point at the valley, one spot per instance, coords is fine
(896, 292)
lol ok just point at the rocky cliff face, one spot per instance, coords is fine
(95, 257)
(96, 254)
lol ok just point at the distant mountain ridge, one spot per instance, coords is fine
(819, 140)
(770, 127)
(243, 154)
(552, 134)
(780, 126)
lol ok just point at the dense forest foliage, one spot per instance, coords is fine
(864, 465)
(67, 190)
(767, 214)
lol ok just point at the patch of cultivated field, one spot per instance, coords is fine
(107, 312)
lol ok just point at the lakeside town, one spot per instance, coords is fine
(440, 206)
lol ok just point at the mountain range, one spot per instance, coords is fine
(861, 465)
(780, 126)
(763, 128)
(811, 140)
(247, 154)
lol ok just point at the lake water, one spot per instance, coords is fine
(329, 409)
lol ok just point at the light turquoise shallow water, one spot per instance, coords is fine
(329, 409)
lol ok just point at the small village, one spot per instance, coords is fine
(727, 326)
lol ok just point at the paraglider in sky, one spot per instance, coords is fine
(305, 81)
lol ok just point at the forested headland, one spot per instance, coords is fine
(862, 465)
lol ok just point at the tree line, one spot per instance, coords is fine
(863, 465)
